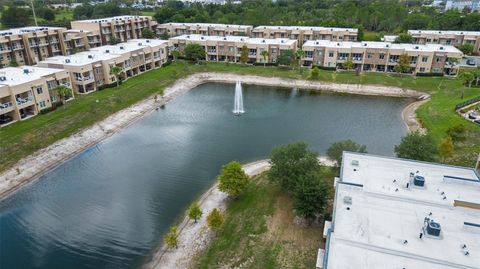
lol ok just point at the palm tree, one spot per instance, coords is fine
(116, 71)
(299, 54)
(63, 92)
(264, 54)
(175, 55)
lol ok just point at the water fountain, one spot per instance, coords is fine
(238, 103)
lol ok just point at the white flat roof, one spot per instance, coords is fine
(238, 26)
(23, 30)
(307, 28)
(17, 75)
(116, 18)
(378, 220)
(80, 59)
(381, 45)
(443, 32)
(248, 40)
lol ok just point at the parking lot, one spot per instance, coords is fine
(468, 60)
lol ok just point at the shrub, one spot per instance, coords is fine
(194, 212)
(335, 151)
(171, 238)
(215, 219)
(314, 73)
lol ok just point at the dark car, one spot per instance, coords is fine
(471, 62)
(472, 115)
(477, 121)
(5, 119)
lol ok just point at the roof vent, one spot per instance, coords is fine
(224, 38)
(3, 78)
(122, 47)
(432, 228)
(419, 181)
(140, 44)
(148, 41)
(90, 56)
(107, 51)
(442, 48)
(417, 47)
(26, 71)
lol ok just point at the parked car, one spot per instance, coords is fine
(472, 115)
(477, 121)
(5, 119)
(471, 62)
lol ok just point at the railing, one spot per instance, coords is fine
(5, 105)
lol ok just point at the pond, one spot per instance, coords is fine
(109, 206)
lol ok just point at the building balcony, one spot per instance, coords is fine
(6, 107)
(23, 100)
(19, 47)
(84, 80)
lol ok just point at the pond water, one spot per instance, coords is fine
(109, 206)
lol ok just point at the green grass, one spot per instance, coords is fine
(259, 233)
(64, 14)
(23, 138)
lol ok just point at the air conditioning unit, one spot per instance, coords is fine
(90, 56)
(419, 181)
(67, 61)
(3, 78)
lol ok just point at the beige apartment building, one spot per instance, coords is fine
(80, 40)
(453, 38)
(28, 45)
(305, 33)
(229, 48)
(26, 90)
(210, 29)
(382, 56)
(122, 28)
(90, 70)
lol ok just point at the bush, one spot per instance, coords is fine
(430, 74)
(171, 238)
(107, 86)
(215, 219)
(329, 68)
(266, 64)
(50, 109)
(457, 133)
(314, 73)
(417, 146)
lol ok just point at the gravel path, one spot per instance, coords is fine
(31, 167)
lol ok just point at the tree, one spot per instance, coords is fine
(233, 180)
(467, 78)
(417, 146)
(171, 238)
(15, 17)
(63, 92)
(215, 219)
(116, 71)
(403, 65)
(466, 48)
(348, 64)
(311, 194)
(148, 33)
(476, 74)
(335, 151)
(194, 52)
(48, 14)
(164, 36)
(416, 21)
(264, 54)
(315, 73)
(446, 148)
(114, 40)
(244, 55)
(290, 162)
(286, 57)
(299, 54)
(194, 212)
(403, 38)
(175, 54)
(457, 132)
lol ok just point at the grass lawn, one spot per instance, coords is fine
(259, 233)
(23, 138)
(64, 14)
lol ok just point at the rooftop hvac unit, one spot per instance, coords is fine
(67, 61)
(3, 78)
(419, 181)
(25, 71)
(442, 48)
(122, 47)
(107, 51)
(416, 47)
(90, 56)
(347, 200)
(433, 228)
(148, 41)
(355, 162)
(139, 44)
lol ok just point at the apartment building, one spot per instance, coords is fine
(391, 213)
(472, 5)
(229, 48)
(210, 29)
(305, 33)
(453, 38)
(26, 90)
(80, 40)
(91, 69)
(382, 56)
(28, 45)
(122, 28)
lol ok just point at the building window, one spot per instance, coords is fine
(424, 59)
(369, 55)
(39, 90)
(422, 69)
(274, 50)
(54, 98)
(319, 52)
(438, 59)
(42, 104)
(330, 54)
(381, 56)
(308, 54)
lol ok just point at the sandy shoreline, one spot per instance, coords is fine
(194, 237)
(35, 165)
